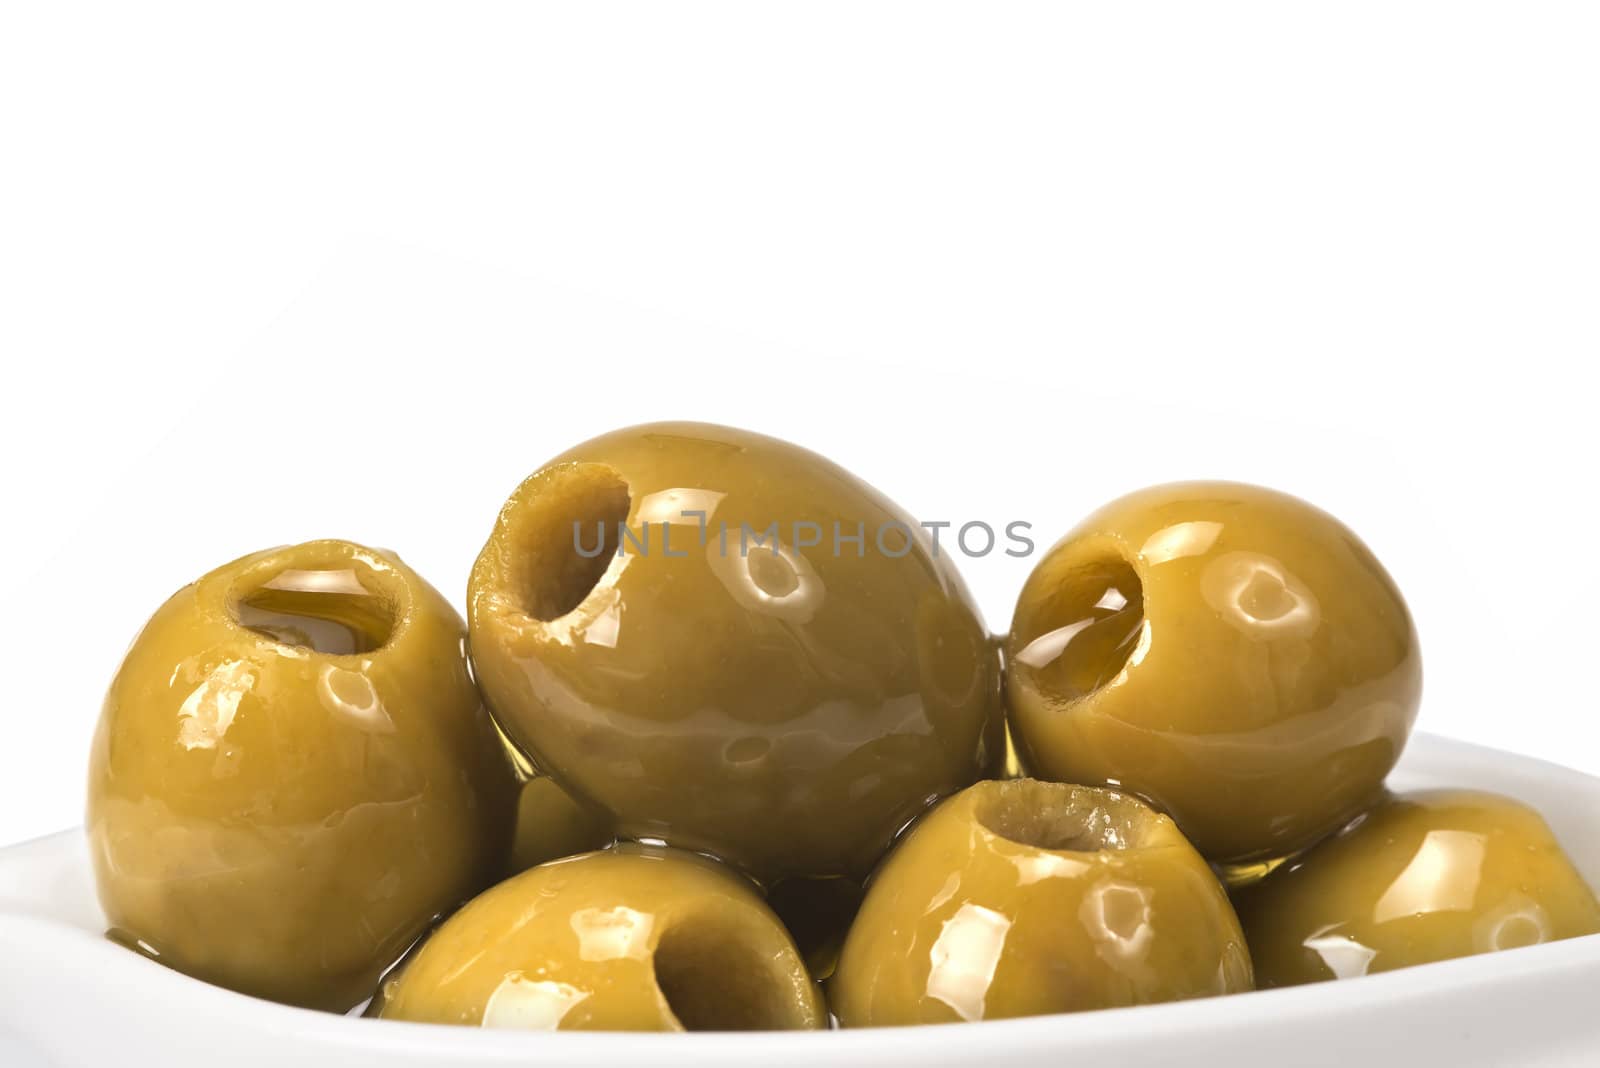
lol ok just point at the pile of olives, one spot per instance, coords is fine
(712, 751)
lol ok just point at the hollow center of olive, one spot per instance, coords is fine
(1081, 632)
(328, 611)
(1058, 816)
(563, 537)
(715, 980)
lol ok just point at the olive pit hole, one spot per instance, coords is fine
(1060, 816)
(562, 539)
(326, 610)
(714, 979)
(1081, 632)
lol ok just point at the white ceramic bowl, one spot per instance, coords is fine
(68, 996)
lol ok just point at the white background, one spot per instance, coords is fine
(344, 270)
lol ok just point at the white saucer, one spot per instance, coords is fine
(70, 997)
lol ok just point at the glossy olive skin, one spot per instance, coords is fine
(785, 710)
(551, 825)
(1230, 653)
(1424, 877)
(1021, 898)
(634, 939)
(283, 817)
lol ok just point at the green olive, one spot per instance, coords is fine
(1021, 898)
(1422, 877)
(628, 940)
(293, 774)
(1230, 653)
(551, 825)
(731, 645)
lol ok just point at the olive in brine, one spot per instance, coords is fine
(1230, 653)
(1021, 898)
(1423, 877)
(728, 644)
(293, 774)
(624, 940)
